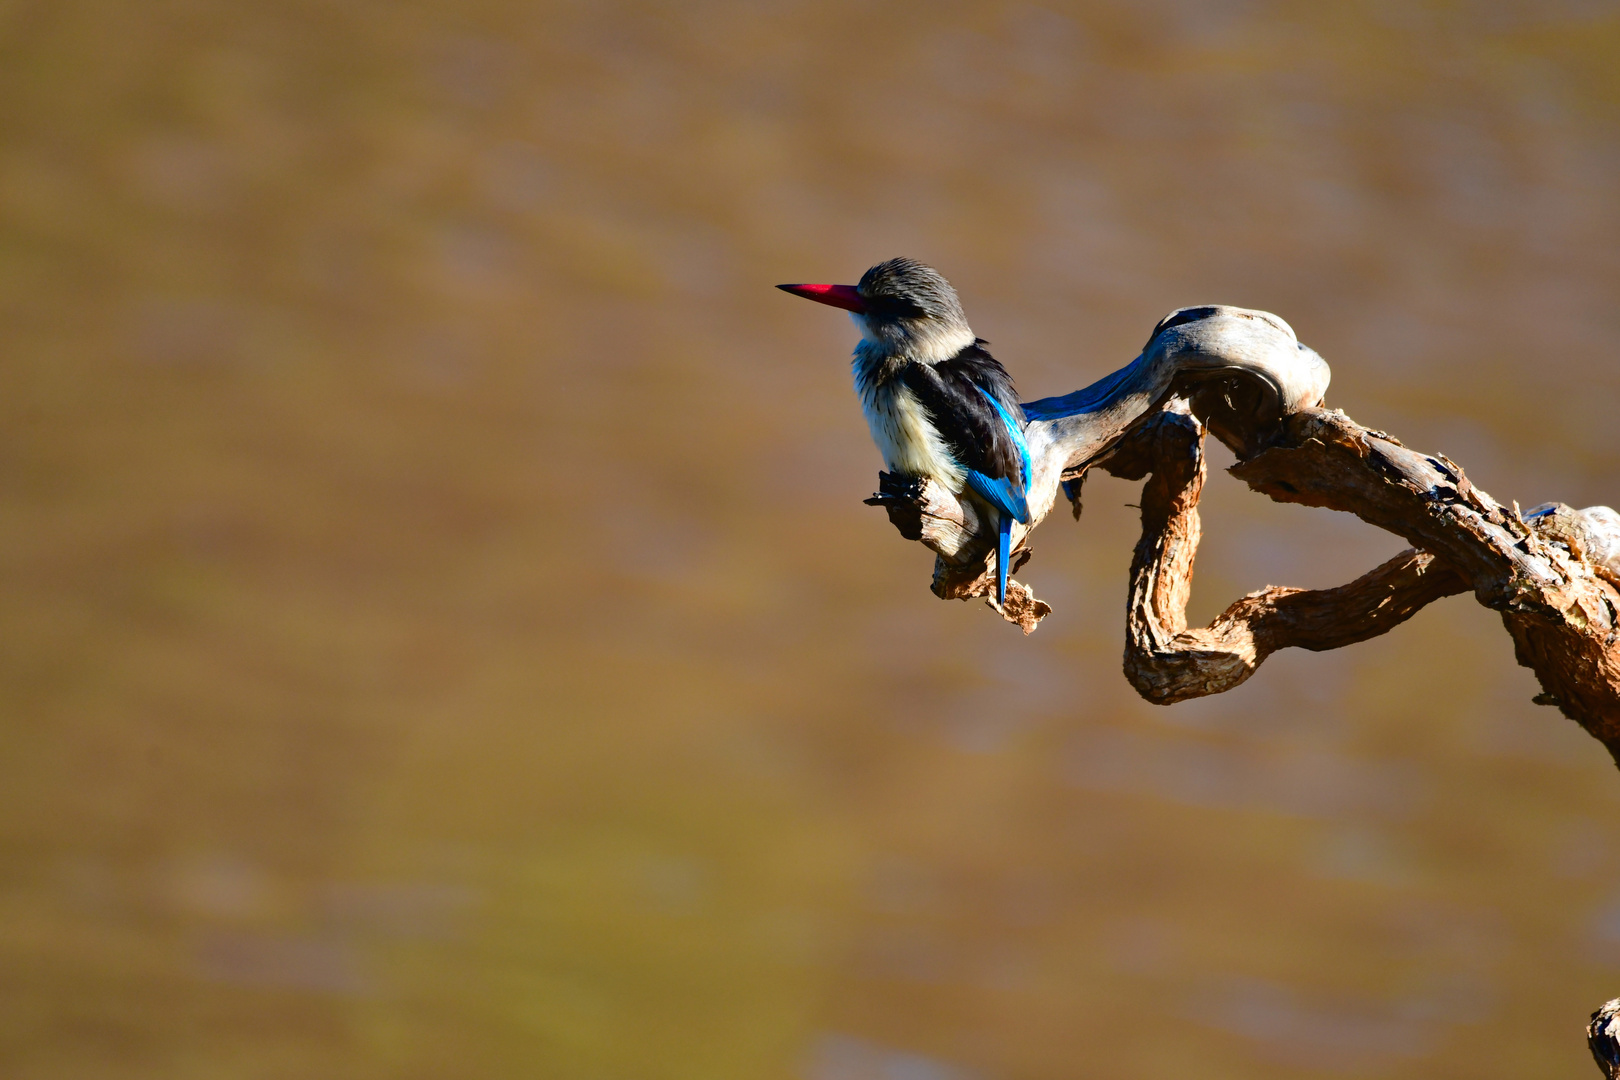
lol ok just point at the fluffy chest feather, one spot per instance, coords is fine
(906, 436)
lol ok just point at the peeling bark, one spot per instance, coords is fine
(1559, 608)
(1165, 661)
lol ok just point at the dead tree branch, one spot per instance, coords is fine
(1165, 661)
(1244, 377)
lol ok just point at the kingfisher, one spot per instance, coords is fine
(940, 407)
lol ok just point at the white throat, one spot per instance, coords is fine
(927, 342)
(904, 432)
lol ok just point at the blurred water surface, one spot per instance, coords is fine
(442, 636)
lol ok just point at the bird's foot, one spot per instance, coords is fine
(924, 510)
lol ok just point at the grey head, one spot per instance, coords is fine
(910, 309)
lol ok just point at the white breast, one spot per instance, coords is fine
(907, 438)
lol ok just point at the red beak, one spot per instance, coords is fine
(843, 296)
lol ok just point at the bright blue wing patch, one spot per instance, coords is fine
(1003, 494)
(1105, 391)
(1006, 494)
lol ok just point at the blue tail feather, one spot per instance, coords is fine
(1003, 554)
(1008, 494)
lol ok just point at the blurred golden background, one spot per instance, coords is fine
(442, 636)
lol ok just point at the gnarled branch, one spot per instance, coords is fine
(1165, 661)
(1243, 377)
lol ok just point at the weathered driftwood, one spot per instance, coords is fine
(1167, 662)
(1244, 377)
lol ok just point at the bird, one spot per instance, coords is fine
(939, 405)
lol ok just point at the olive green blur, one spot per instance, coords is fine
(441, 637)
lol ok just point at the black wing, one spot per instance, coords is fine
(953, 391)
